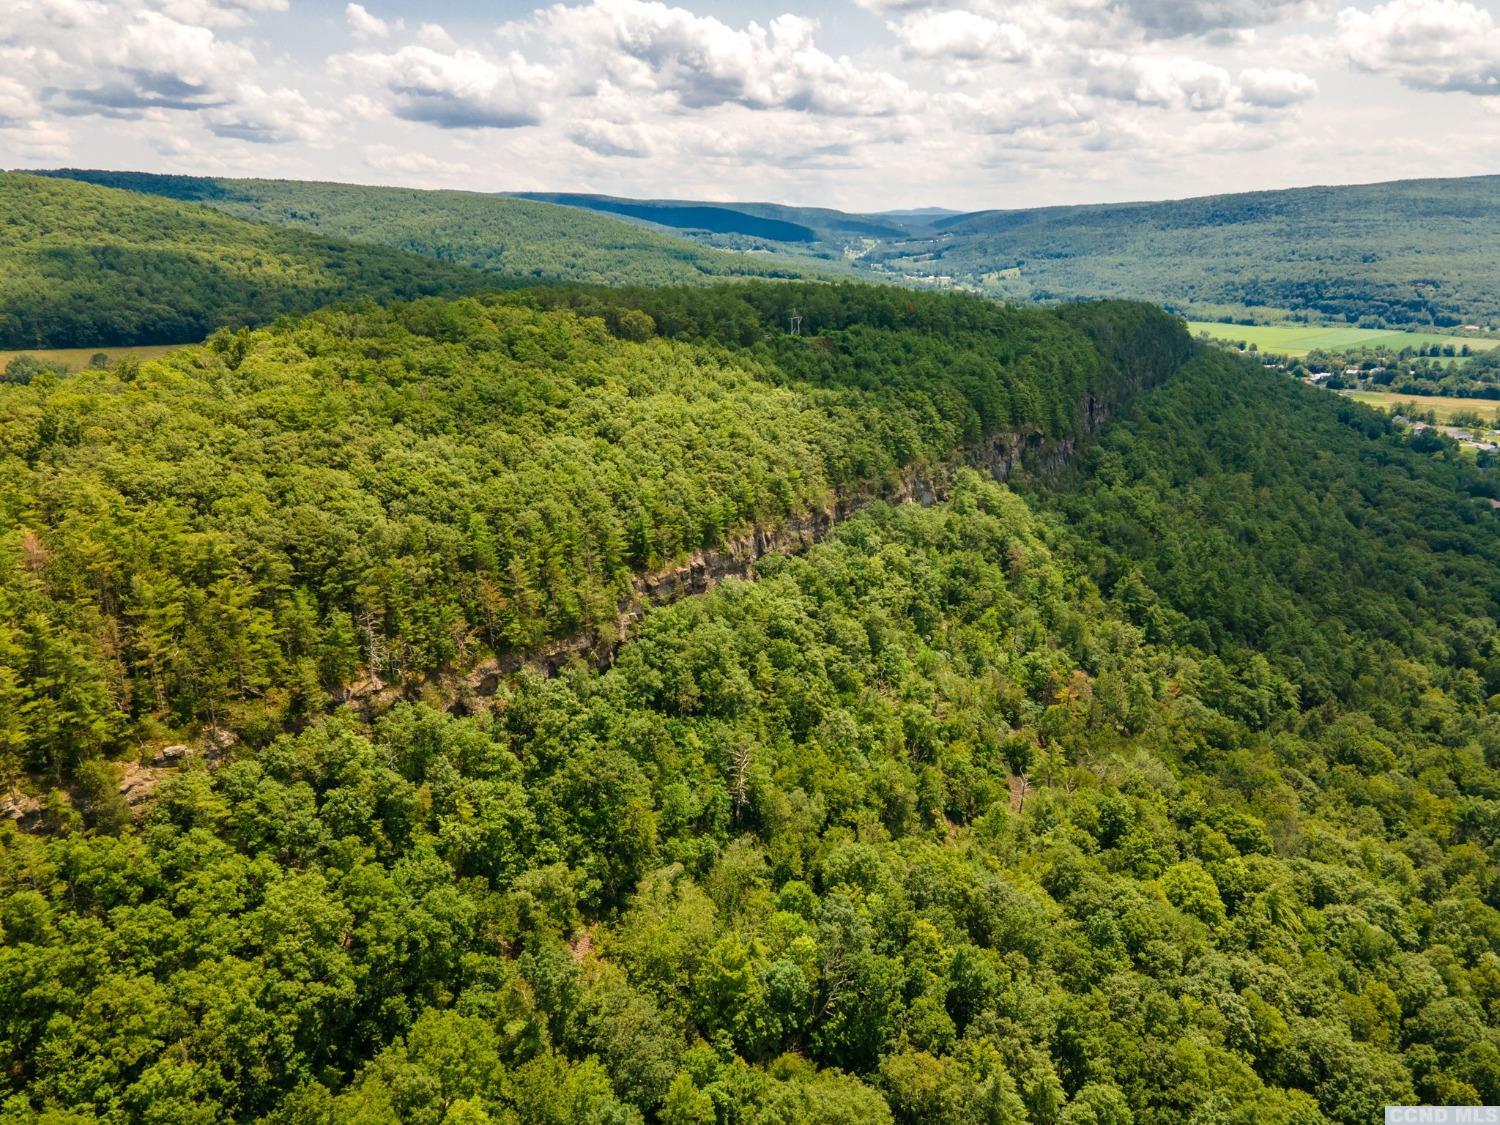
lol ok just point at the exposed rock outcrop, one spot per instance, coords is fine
(998, 456)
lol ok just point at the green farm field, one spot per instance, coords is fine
(1300, 339)
(77, 358)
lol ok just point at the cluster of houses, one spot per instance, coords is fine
(1361, 376)
(1479, 440)
(1482, 440)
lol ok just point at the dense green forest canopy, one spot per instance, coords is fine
(87, 266)
(516, 238)
(1161, 791)
(224, 536)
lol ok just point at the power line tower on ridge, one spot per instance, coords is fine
(795, 323)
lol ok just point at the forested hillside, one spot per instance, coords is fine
(1404, 254)
(86, 266)
(225, 535)
(516, 238)
(1161, 788)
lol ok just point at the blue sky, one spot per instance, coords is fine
(864, 105)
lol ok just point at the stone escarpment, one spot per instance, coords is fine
(998, 456)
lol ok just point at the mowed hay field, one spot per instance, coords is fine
(77, 358)
(1443, 407)
(1299, 339)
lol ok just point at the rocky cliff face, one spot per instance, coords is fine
(998, 456)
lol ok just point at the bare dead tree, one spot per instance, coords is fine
(739, 777)
(1020, 789)
(374, 644)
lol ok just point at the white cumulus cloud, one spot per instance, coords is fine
(611, 138)
(701, 61)
(1011, 111)
(137, 59)
(1272, 88)
(270, 117)
(1426, 44)
(1175, 82)
(364, 24)
(1109, 21)
(459, 89)
(1172, 19)
(954, 34)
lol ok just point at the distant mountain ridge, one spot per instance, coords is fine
(775, 221)
(1400, 254)
(1412, 253)
(691, 216)
(1405, 254)
(522, 240)
(930, 214)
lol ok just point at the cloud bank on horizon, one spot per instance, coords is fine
(874, 103)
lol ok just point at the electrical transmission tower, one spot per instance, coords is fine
(795, 323)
